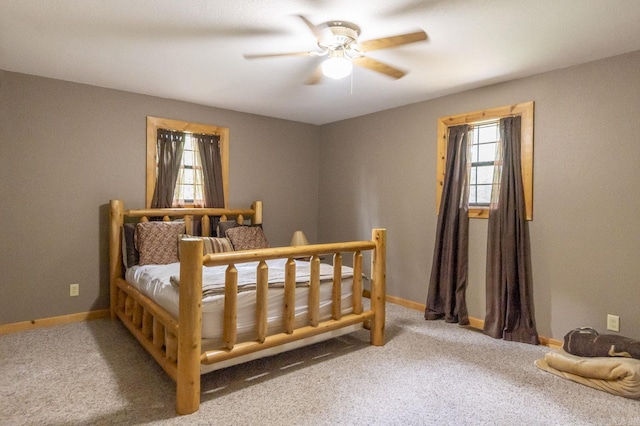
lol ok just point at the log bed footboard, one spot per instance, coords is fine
(176, 343)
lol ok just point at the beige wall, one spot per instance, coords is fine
(66, 149)
(379, 170)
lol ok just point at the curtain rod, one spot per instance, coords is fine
(187, 132)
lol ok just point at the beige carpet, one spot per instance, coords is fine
(428, 373)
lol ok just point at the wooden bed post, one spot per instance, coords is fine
(189, 326)
(378, 285)
(257, 216)
(116, 220)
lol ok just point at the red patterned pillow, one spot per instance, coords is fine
(157, 242)
(247, 238)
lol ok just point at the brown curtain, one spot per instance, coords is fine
(209, 147)
(449, 271)
(510, 313)
(169, 148)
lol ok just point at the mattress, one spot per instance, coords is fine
(155, 282)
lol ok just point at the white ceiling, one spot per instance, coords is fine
(192, 50)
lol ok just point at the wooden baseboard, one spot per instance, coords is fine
(102, 313)
(406, 303)
(53, 321)
(473, 322)
(552, 343)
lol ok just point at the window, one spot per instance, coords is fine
(189, 186)
(483, 143)
(485, 134)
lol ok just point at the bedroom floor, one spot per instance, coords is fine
(428, 373)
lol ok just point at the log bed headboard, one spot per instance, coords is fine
(190, 215)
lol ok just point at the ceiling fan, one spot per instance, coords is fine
(338, 41)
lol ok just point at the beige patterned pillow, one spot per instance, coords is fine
(247, 238)
(157, 242)
(209, 244)
(216, 245)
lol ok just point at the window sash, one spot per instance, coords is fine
(189, 191)
(482, 160)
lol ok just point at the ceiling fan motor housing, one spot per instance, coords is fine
(343, 33)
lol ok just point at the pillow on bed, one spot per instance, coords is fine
(247, 237)
(130, 255)
(210, 244)
(224, 226)
(216, 245)
(157, 242)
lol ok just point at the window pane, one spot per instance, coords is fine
(487, 152)
(485, 175)
(472, 195)
(188, 177)
(474, 153)
(484, 194)
(487, 133)
(188, 145)
(187, 158)
(473, 175)
(188, 192)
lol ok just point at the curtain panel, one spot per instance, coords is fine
(211, 160)
(509, 299)
(169, 148)
(449, 272)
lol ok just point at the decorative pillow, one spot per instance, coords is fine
(130, 255)
(225, 225)
(157, 242)
(216, 245)
(247, 238)
(209, 244)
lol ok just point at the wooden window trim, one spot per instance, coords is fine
(525, 111)
(155, 123)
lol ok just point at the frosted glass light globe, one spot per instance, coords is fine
(337, 67)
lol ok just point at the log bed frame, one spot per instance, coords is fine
(176, 344)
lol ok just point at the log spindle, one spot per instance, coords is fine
(262, 288)
(205, 224)
(314, 291)
(230, 327)
(289, 295)
(357, 282)
(336, 292)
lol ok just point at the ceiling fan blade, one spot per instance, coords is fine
(315, 77)
(377, 66)
(277, 55)
(386, 42)
(319, 31)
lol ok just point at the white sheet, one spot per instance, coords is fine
(154, 282)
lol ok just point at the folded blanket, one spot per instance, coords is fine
(213, 279)
(618, 376)
(586, 341)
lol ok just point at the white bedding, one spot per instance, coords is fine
(155, 282)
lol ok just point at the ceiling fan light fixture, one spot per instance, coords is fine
(337, 67)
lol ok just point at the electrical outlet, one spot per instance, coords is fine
(74, 289)
(613, 322)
